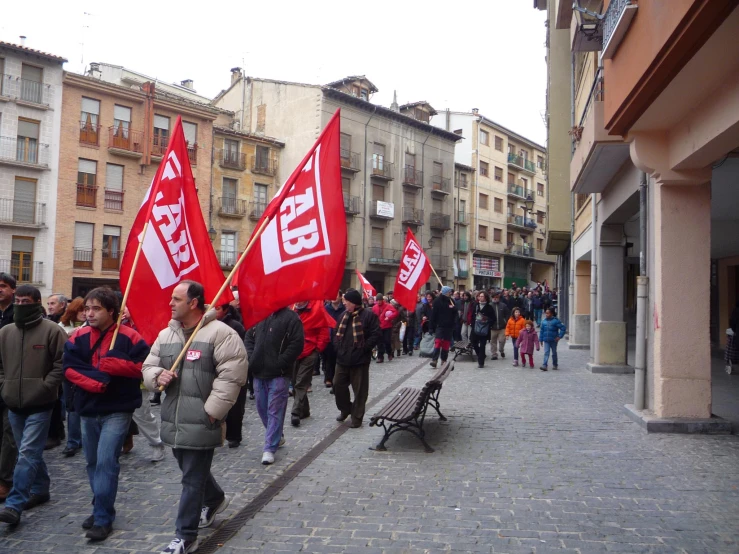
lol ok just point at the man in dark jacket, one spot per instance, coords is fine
(273, 346)
(443, 319)
(8, 450)
(497, 329)
(104, 388)
(235, 418)
(30, 375)
(357, 334)
(335, 309)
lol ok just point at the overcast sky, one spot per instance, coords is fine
(465, 54)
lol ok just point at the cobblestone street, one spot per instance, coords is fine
(527, 462)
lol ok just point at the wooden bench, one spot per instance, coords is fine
(407, 410)
(464, 347)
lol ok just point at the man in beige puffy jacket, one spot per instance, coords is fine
(197, 401)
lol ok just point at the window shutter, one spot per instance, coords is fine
(191, 132)
(114, 177)
(91, 106)
(31, 73)
(27, 129)
(121, 113)
(87, 166)
(161, 122)
(83, 235)
(22, 245)
(111, 231)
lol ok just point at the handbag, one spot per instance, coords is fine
(482, 328)
(401, 336)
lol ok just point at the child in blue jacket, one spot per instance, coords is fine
(551, 330)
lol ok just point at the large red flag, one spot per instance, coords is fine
(302, 252)
(367, 287)
(176, 245)
(414, 271)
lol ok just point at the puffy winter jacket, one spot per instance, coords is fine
(208, 382)
(526, 341)
(551, 329)
(381, 309)
(514, 327)
(274, 344)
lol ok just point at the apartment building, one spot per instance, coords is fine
(653, 167)
(30, 121)
(507, 204)
(114, 132)
(397, 168)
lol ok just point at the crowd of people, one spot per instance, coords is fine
(71, 361)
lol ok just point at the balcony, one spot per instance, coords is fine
(264, 165)
(412, 216)
(351, 254)
(113, 200)
(521, 222)
(351, 204)
(82, 258)
(125, 142)
(350, 160)
(440, 262)
(382, 210)
(21, 214)
(462, 245)
(159, 145)
(384, 256)
(382, 169)
(89, 134)
(617, 21)
(112, 260)
(441, 221)
(24, 152)
(227, 258)
(517, 191)
(463, 273)
(25, 274)
(231, 160)
(521, 163)
(461, 218)
(522, 250)
(26, 92)
(192, 154)
(256, 209)
(87, 195)
(228, 206)
(412, 177)
(441, 185)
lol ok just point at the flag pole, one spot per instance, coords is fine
(199, 326)
(451, 304)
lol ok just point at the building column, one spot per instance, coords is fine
(681, 313)
(580, 326)
(610, 328)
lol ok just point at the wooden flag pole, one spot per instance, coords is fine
(199, 326)
(451, 303)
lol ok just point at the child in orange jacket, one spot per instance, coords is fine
(513, 328)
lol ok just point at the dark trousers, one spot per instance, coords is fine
(479, 343)
(409, 339)
(199, 488)
(235, 417)
(329, 363)
(8, 450)
(56, 429)
(458, 330)
(385, 346)
(250, 382)
(358, 377)
(302, 378)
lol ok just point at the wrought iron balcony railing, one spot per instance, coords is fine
(21, 213)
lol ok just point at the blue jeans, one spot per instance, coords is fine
(550, 346)
(271, 395)
(199, 488)
(102, 440)
(30, 475)
(515, 349)
(537, 316)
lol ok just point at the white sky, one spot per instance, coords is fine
(486, 54)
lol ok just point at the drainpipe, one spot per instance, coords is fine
(212, 160)
(642, 293)
(573, 261)
(423, 190)
(366, 182)
(593, 279)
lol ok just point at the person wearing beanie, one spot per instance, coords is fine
(386, 313)
(356, 335)
(443, 319)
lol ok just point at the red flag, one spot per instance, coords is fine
(367, 288)
(176, 245)
(302, 252)
(414, 271)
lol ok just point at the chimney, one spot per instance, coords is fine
(394, 105)
(23, 40)
(475, 111)
(94, 70)
(235, 74)
(187, 83)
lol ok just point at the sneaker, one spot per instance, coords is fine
(181, 546)
(268, 458)
(89, 522)
(70, 451)
(208, 514)
(99, 532)
(282, 442)
(543, 368)
(157, 453)
(515, 363)
(36, 500)
(10, 516)
(433, 363)
(554, 367)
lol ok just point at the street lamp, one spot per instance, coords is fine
(212, 233)
(529, 203)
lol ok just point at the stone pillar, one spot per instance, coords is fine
(580, 326)
(610, 328)
(681, 307)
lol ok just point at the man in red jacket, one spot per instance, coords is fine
(386, 313)
(316, 324)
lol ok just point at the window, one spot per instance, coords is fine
(511, 179)
(410, 160)
(497, 233)
(24, 201)
(90, 121)
(32, 83)
(27, 145)
(463, 180)
(498, 205)
(484, 169)
(227, 254)
(484, 137)
(498, 143)
(191, 133)
(462, 206)
(346, 150)
(540, 244)
(83, 235)
(262, 159)
(499, 174)
(540, 162)
(378, 193)
(230, 190)
(86, 183)
(510, 208)
(260, 201)
(525, 185)
(540, 189)
(111, 247)
(378, 158)
(483, 201)
(377, 241)
(540, 217)
(161, 135)
(121, 127)
(231, 153)
(482, 232)
(509, 239)
(409, 199)
(113, 187)
(21, 259)
(421, 115)
(364, 94)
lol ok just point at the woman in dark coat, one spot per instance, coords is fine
(443, 321)
(482, 322)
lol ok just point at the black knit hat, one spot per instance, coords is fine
(353, 296)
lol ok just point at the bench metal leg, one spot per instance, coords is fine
(412, 427)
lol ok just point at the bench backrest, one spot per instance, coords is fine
(434, 383)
